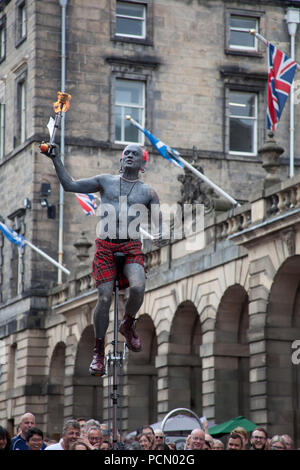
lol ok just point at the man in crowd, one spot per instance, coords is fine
(235, 442)
(19, 442)
(34, 439)
(259, 438)
(70, 434)
(197, 440)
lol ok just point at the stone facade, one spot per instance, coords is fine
(218, 322)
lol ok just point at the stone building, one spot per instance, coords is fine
(220, 322)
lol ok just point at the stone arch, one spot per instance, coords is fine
(55, 390)
(142, 376)
(183, 360)
(231, 351)
(87, 390)
(283, 328)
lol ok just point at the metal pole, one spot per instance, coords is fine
(63, 4)
(115, 353)
(292, 114)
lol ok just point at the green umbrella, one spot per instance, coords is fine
(228, 426)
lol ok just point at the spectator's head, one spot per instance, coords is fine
(243, 433)
(145, 441)
(82, 422)
(197, 439)
(259, 439)
(150, 432)
(288, 441)
(235, 441)
(27, 422)
(79, 445)
(34, 438)
(208, 443)
(159, 437)
(95, 437)
(218, 445)
(71, 433)
(104, 445)
(277, 443)
(5, 440)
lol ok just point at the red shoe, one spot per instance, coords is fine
(97, 366)
(126, 328)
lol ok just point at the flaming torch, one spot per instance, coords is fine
(61, 105)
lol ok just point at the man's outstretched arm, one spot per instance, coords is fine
(85, 185)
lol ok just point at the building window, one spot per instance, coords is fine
(129, 99)
(21, 19)
(21, 112)
(243, 122)
(130, 20)
(2, 38)
(2, 131)
(239, 33)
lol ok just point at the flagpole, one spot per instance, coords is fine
(187, 165)
(58, 265)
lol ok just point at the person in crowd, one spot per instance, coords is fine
(35, 439)
(218, 445)
(159, 437)
(197, 439)
(82, 423)
(277, 443)
(80, 445)
(70, 435)
(187, 445)
(145, 441)
(288, 442)
(172, 446)
(105, 445)
(19, 441)
(209, 441)
(5, 439)
(234, 442)
(95, 437)
(150, 432)
(244, 434)
(259, 439)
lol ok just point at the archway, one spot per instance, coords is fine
(87, 391)
(231, 351)
(56, 391)
(184, 363)
(283, 328)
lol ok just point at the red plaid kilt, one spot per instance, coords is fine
(104, 268)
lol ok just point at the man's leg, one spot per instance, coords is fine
(136, 276)
(101, 320)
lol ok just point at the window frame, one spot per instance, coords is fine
(143, 107)
(143, 20)
(3, 38)
(247, 14)
(2, 132)
(21, 22)
(254, 119)
(148, 39)
(20, 110)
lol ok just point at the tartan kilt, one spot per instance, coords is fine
(104, 268)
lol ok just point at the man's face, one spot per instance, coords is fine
(234, 444)
(35, 442)
(70, 436)
(95, 438)
(132, 157)
(258, 440)
(197, 440)
(27, 423)
(159, 438)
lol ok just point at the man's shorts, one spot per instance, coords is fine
(104, 268)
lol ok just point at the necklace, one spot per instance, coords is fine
(129, 181)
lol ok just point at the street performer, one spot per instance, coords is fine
(119, 194)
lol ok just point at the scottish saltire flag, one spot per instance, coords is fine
(281, 71)
(87, 202)
(13, 236)
(164, 150)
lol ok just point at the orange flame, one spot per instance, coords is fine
(62, 103)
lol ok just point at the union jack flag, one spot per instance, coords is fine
(87, 202)
(281, 71)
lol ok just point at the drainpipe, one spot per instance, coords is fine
(63, 4)
(292, 18)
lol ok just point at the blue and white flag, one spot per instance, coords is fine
(13, 236)
(164, 150)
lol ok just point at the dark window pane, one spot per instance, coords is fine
(242, 39)
(128, 9)
(241, 135)
(129, 27)
(240, 22)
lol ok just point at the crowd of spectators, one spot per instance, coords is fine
(82, 434)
